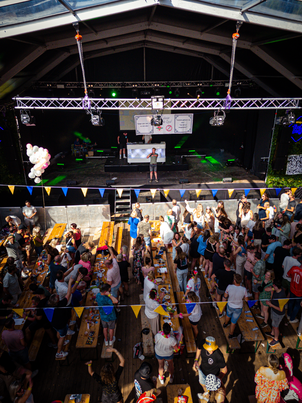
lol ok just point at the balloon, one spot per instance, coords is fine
(37, 180)
(38, 172)
(42, 171)
(28, 145)
(41, 149)
(32, 159)
(31, 175)
(29, 152)
(35, 149)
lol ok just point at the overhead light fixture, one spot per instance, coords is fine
(26, 118)
(218, 118)
(237, 92)
(288, 119)
(157, 102)
(96, 118)
(198, 93)
(91, 94)
(156, 120)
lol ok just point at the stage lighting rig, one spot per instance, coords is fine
(96, 118)
(25, 117)
(218, 118)
(157, 102)
(156, 120)
(288, 119)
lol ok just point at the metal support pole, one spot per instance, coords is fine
(270, 147)
(21, 149)
(144, 60)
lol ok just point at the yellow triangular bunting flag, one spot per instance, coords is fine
(84, 190)
(230, 192)
(136, 309)
(293, 190)
(48, 190)
(19, 311)
(282, 302)
(79, 311)
(262, 191)
(161, 311)
(166, 192)
(221, 305)
(198, 191)
(11, 188)
(153, 191)
(120, 192)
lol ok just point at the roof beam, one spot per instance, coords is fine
(248, 74)
(276, 39)
(273, 62)
(251, 4)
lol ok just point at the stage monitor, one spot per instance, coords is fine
(172, 124)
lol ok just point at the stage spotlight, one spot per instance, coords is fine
(96, 118)
(25, 117)
(113, 93)
(198, 93)
(156, 120)
(286, 120)
(91, 94)
(218, 118)
(157, 102)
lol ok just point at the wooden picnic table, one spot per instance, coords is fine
(106, 233)
(85, 399)
(175, 321)
(35, 272)
(188, 339)
(173, 392)
(57, 231)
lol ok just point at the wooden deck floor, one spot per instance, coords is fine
(54, 382)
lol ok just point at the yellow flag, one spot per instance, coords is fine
(198, 191)
(230, 192)
(11, 188)
(166, 192)
(221, 305)
(161, 311)
(153, 191)
(120, 192)
(136, 309)
(19, 311)
(262, 191)
(84, 190)
(282, 302)
(48, 189)
(293, 190)
(79, 311)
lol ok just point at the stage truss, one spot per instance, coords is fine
(145, 104)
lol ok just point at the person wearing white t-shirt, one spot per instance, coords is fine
(61, 287)
(151, 303)
(234, 294)
(195, 315)
(147, 138)
(194, 285)
(66, 258)
(284, 199)
(149, 283)
(288, 263)
(176, 211)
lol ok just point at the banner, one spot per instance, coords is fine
(246, 192)
(230, 192)
(293, 190)
(214, 191)
(251, 303)
(166, 192)
(262, 191)
(282, 302)
(79, 311)
(136, 309)
(120, 192)
(198, 191)
(153, 191)
(48, 189)
(65, 190)
(278, 190)
(136, 191)
(49, 313)
(161, 310)
(30, 189)
(172, 124)
(11, 188)
(190, 306)
(182, 192)
(19, 311)
(221, 305)
(102, 191)
(84, 190)
(107, 309)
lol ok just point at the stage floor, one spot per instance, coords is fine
(202, 172)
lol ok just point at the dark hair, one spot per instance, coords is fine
(10, 261)
(138, 243)
(153, 293)
(241, 240)
(35, 299)
(287, 242)
(11, 268)
(166, 329)
(278, 283)
(10, 323)
(258, 255)
(7, 297)
(53, 300)
(206, 235)
(60, 275)
(105, 287)
(107, 374)
(297, 251)
(33, 287)
(83, 271)
(73, 225)
(268, 229)
(147, 260)
(227, 262)
(238, 278)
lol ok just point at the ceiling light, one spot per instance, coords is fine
(96, 118)
(157, 102)
(198, 93)
(286, 120)
(218, 118)
(25, 117)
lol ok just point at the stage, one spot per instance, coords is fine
(173, 163)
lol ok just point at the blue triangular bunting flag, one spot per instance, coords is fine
(107, 309)
(49, 313)
(214, 191)
(251, 303)
(102, 191)
(136, 191)
(246, 192)
(190, 307)
(278, 190)
(182, 192)
(65, 190)
(30, 189)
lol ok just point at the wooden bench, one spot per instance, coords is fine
(247, 323)
(148, 343)
(299, 338)
(106, 233)
(107, 355)
(187, 327)
(118, 239)
(35, 344)
(173, 390)
(57, 231)
(73, 317)
(47, 235)
(232, 343)
(173, 276)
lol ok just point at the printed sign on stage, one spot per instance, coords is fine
(127, 117)
(172, 124)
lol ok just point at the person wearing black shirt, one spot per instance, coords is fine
(298, 213)
(111, 392)
(123, 266)
(84, 247)
(224, 277)
(260, 207)
(277, 314)
(212, 360)
(5, 313)
(54, 267)
(218, 264)
(290, 209)
(142, 381)
(265, 239)
(280, 254)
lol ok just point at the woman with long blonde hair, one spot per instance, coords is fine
(198, 214)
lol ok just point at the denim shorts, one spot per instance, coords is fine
(62, 332)
(71, 249)
(248, 274)
(159, 357)
(153, 167)
(147, 240)
(233, 313)
(114, 290)
(255, 287)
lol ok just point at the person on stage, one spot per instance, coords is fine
(153, 164)
(122, 141)
(147, 138)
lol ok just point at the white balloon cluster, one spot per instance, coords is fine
(40, 157)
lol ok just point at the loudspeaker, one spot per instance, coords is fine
(227, 180)
(184, 181)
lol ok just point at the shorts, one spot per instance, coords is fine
(62, 332)
(220, 292)
(255, 287)
(285, 284)
(147, 240)
(201, 377)
(71, 249)
(153, 167)
(108, 325)
(233, 313)
(159, 357)
(21, 356)
(276, 319)
(248, 274)
(193, 323)
(114, 290)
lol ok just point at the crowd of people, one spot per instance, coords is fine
(256, 257)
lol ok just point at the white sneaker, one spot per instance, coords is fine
(70, 332)
(120, 157)
(294, 321)
(106, 343)
(249, 294)
(62, 354)
(171, 379)
(111, 342)
(161, 379)
(66, 342)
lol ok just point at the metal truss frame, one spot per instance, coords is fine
(145, 104)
